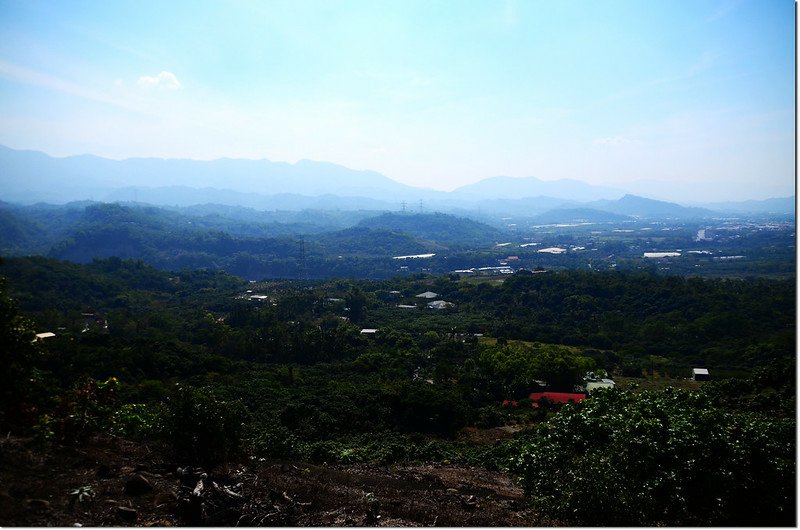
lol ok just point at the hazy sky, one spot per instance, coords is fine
(435, 94)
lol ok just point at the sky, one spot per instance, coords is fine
(696, 94)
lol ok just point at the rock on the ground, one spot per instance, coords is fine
(39, 504)
(137, 485)
(126, 514)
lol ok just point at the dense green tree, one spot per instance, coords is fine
(518, 367)
(356, 300)
(19, 378)
(668, 458)
(203, 427)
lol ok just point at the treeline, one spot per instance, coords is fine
(641, 320)
(633, 321)
(691, 320)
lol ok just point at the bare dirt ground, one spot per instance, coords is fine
(114, 482)
(483, 436)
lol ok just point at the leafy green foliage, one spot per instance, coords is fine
(688, 320)
(18, 353)
(138, 420)
(516, 368)
(203, 427)
(86, 409)
(628, 459)
(81, 495)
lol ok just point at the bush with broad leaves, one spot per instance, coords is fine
(661, 458)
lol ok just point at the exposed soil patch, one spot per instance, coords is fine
(114, 482)
(483, 436)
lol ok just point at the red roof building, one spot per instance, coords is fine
(557, 397)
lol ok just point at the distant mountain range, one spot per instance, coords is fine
(579, 215)
(517, 188)
(188, 196)
(25, 174)
(782, 205)
(29, 177)
(649, 208)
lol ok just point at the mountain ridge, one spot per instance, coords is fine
(504, 187)
(29, 176)
(637, 206)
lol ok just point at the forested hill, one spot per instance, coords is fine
(365, 244)
(236, 241)
(447, 230)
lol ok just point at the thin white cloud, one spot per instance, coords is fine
(165, 80)
(21, 74)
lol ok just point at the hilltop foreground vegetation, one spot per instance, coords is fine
(274, 381)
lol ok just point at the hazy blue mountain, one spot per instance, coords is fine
(579, 215)
(30, 176)
(519, 188)
(700, 191)
(781, 205)
(642, 207)
(308, 220)
(27, 176)
(187, 196)
(525, 207)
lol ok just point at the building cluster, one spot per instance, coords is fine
(433, 304)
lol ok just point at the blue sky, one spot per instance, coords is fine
(696, 93)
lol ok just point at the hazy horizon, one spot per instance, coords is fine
(698, 95)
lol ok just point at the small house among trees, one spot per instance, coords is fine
(700, 374)
(427, 294)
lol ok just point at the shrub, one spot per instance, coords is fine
(138, 420)
(274, 440)
(661, 458)
(86, 409)
(203, 428)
